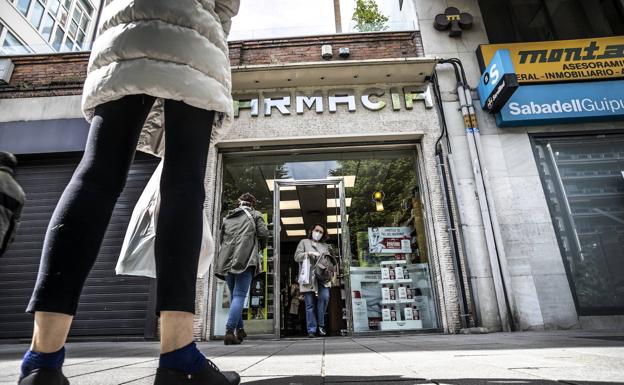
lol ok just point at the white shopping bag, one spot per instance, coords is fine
(304, 272)
(137, 251)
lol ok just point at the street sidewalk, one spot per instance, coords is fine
(499, 358)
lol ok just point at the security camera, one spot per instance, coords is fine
(326, 52)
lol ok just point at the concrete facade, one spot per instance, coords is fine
(48, 87)
(537, 284)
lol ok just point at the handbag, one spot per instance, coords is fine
(304, 272)
(137, 252)
(324, 268)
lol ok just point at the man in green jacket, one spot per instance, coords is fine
(244, 235)
(12, 200)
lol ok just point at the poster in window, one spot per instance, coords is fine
(389, 240)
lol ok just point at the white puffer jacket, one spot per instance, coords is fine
(169, 49)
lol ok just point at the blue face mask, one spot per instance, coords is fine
(317, 235)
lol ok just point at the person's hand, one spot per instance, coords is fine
(314, 254)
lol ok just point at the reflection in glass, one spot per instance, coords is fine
(36, 14)
(584, 185)
(393, 173)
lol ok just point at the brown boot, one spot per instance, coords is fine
(231, 339)
(240, 334)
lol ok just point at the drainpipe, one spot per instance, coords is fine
(487, 207)
(502, 257)
(467, 317)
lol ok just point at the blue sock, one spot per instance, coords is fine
(187, 360)
(34, 360)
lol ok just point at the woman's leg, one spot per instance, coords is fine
(179, 227)
(321, 304)
(75, 232)
(309, 298)
(241, 288)
(230, 280)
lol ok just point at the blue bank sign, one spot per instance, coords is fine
(498, 82)
(563, 103)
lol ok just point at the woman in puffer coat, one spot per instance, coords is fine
(315, 292)
(156, 64)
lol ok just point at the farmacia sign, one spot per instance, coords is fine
(372, 99)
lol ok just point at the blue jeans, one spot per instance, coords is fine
(316, 317)
(239, 286)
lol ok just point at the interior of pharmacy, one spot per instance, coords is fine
(371, 204)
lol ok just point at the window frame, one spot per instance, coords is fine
(535, 139)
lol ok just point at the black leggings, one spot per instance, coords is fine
(82, 215)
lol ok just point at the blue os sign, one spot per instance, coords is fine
(562, 103)
(498, 82)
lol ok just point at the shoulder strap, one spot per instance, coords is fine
(250, 218)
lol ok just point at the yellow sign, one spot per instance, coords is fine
(562, 60)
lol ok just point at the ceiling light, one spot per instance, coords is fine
(296, 233)
(289, 205)
(349, 180)
(292, 220)
(332, 203)
(271, 184)
(334, 231)
(335, 218)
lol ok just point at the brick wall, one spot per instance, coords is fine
(63, 74)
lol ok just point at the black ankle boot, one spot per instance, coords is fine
(209, 375)
(231, 339)
(44, 377)
(240, 334)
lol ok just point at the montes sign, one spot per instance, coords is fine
(562, 60)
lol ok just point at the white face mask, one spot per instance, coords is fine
(317, 235)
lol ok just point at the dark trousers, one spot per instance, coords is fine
(75, 233)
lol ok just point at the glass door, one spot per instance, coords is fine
(298, 207)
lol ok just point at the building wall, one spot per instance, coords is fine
(540, 293)
(361, 126)
(20, 26)
(48, 87)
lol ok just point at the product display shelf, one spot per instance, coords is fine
(397, 301)
(397, 262)
(394, 281)
(400, 325)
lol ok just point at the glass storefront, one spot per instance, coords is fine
(383, 283)
(583, 178)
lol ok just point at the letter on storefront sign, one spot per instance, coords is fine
(413, 95)
(281, 104)
(342, 99)
(373, 105)
(251, 104)
(308, 101)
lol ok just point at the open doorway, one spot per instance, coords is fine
(377, 223)
(299, 207)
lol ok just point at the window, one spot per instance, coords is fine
(583, 179)
(22, 6)
(36, 14)
(58, 38)
(510, 21)
(53, 6)
(12, 46)
(46, 26)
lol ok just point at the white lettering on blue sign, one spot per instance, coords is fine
(562, 103)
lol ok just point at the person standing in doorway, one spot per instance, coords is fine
(12, 200)
(315, 291)
(154, 64)
(244, 235)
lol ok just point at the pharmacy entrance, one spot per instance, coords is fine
(371, 202)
